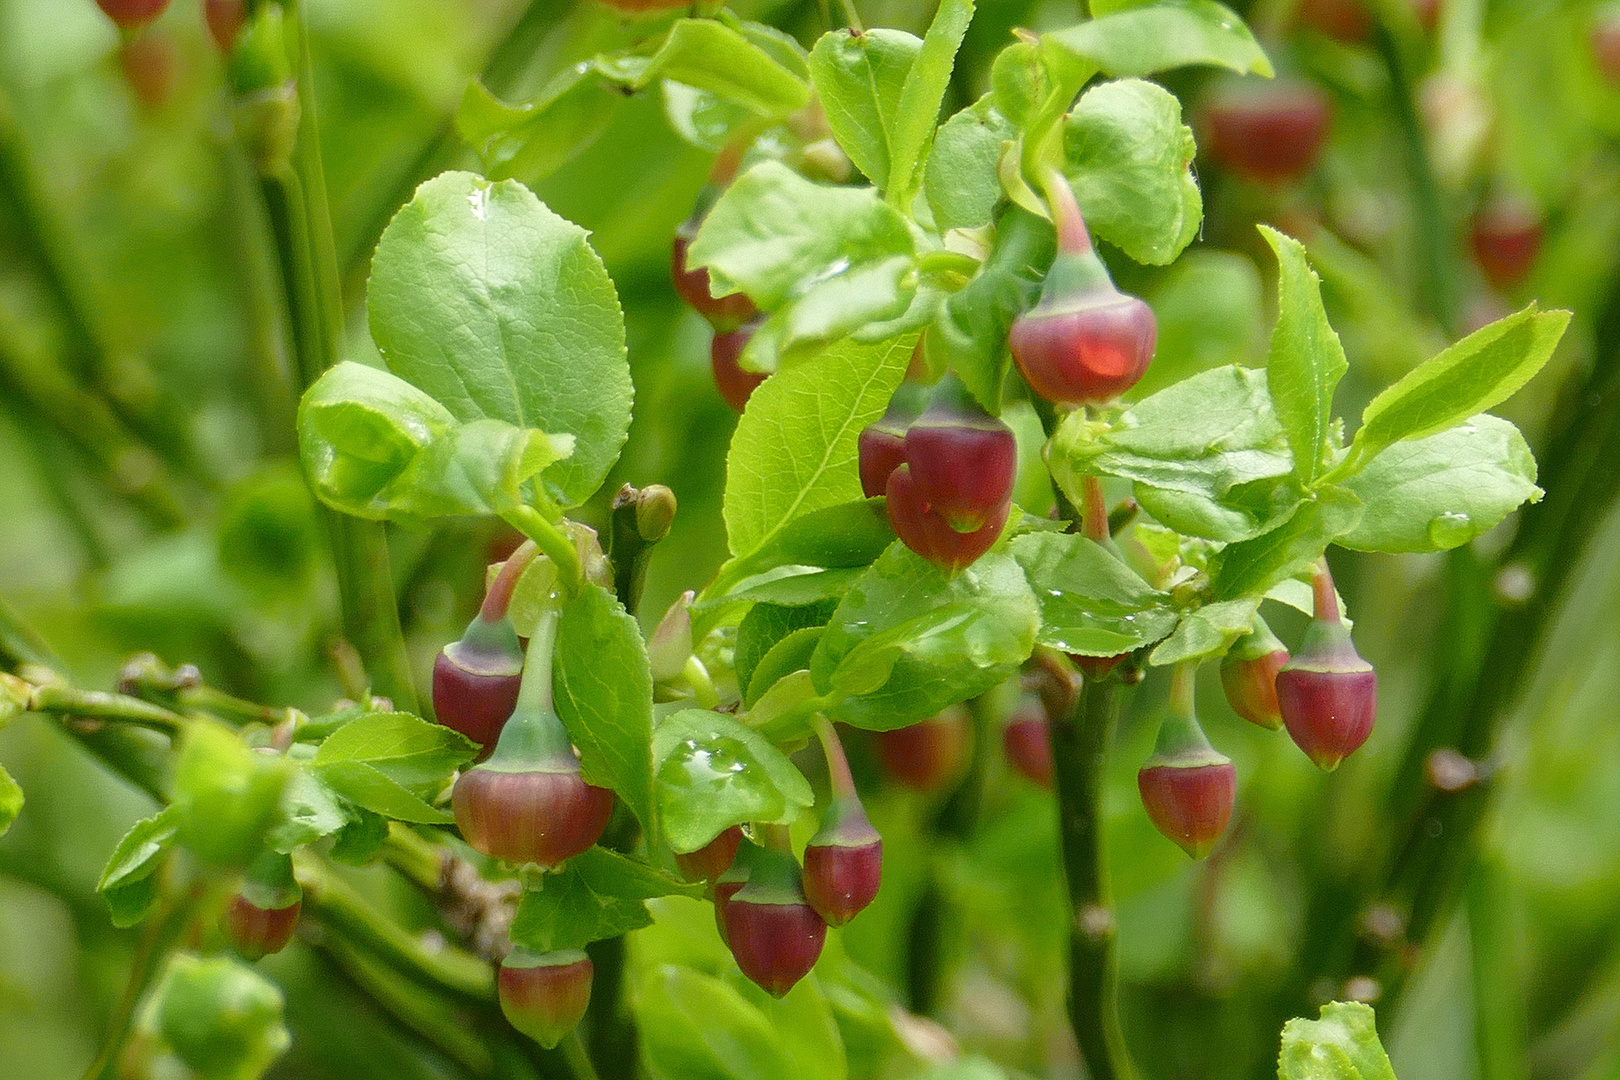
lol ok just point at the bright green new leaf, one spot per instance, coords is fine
(702, 117)
(11, 801)
(500, 310)
(962, 184)
(860, 79)
(764, 626)
(218, 1017)
(226, 795)
(597, 894)
(787, 657)
(309, 811)
(1306, 361)
(794, 450)
(603, 685)
(1207, 632)
(712, 56)
(872, 301)
(714, 772)
(533, 139)
(844, 536)
(1170, 34)
(416, 754)
(367, 786)
(1480, 371)
(917, 114)
(1128, 157)
(1342, 1045)
(1253, 566)
(695, 1025)
(907, 641)
(126, 882)
(1091, 603)
(1440, 492)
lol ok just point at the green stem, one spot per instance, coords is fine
(420, 860)
(71, 703)
(578, 1060)
(556, 546)
(1079, 756)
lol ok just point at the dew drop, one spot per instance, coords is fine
(1451, 529)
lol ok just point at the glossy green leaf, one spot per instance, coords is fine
(369, 787)
(702, 117)
(1091, 603)
(1306, 361)
(309, 811)
(361, 840)
(532, 139)
(126, 882)
(803, 1020)
(859, 80)
(794, 450)
(1253, 566)
(970, 333)
(845, 535)
(917, 114)
(499, 309)
(1342, 1045)
(1208, 455)
(1207, 632)
(11, 801)
(906, 641)
(603, 685)
(597, 894)
(765, 625)
(961, 181)
(1170, 34)
(1480, 371)
(712, 56)
(714, 772)
(1440, 492)
(417, 754)
(696, 1027)
(1128, 157)
(789, 655)
(798, 586)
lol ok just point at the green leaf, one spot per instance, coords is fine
(227, 795)
(418, 755)
(500, 310)
(794, 450)
(126, 882)
(696, 1026)
(1342, 1045)
(309, 811)
(1128, 157)
(218, 1018)
(1251, 567)
(767, 624)
(907, 641)
(714, 772)
(11, 801)
(702, 117)
(917, 114)
(1306, 361)
(846, 535)
(369, 787)
(533, 139)
(961, 181)
(361, 840)
(1480, 371)
(598, 894)
(1091, 603)
(859, 79)
(800, 586)
(824, 259)
(1207, 454)
(1170, 34)
(1207, 632)
(971, 330)
(712, 56)
(1440, 492)
(603, 684)
(789, 655)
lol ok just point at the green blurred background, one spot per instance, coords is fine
(150, 500)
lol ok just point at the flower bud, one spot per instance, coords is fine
(1327, 694)
(132, 14)
(261, 917)
(843, 863)
(1345, 21)
(928, 755)
(1249, 677)
(725, 351)
(220, 1017)
(1268, 134)
(1084, 347)
(773, 932)
(1606, 46)
(730, 883)
(723, 312)
(1506, 235)
(476, 679)
(1187, 786)
(929, 534)
(1026, 741)
(224, 19)
(713, 859)
(545, 995)
(150, 63)
(883, 443)
(963, 460)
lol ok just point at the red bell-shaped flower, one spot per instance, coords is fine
(773, 932)
(545, 995)
(1327, 693)
(1249, 676)
(725, 352)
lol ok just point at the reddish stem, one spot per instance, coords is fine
(1093, 511)
(726, 165)
(843, 783)
(1073, 239)
(499, 596)
(1327, 599)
